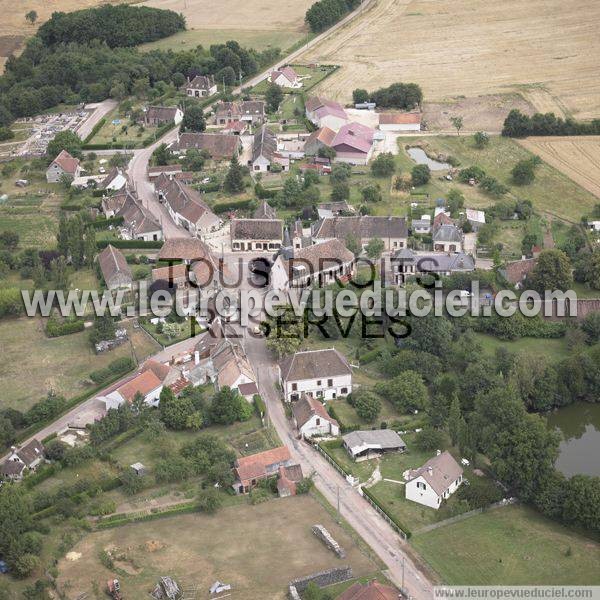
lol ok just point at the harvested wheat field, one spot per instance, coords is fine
(546, 49)
(577, 157)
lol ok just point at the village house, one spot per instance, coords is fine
(288, 479)
(155, 116)
(265, 153)
(63, 165)
(435, 481)
(186, 207)
(285, 77)
(251, 111)
(249, 470)
(372, 590)
(201, 86)
(114, 180)
(324, 374)
(256, 234)
(187, 250)
(353, 143)
(407, 263)
(199, 274)
(335, 209)
(325, 113)
(515, 272)
(292, 149)
(392, 230)
(231, 365)
(399, 122)
(312, 420)
(115, 270)
(138, 222)
(172, 172)
(365, 445)
(218, 146)
(317, 264)
(26, 459)
(421, 226)
(447, 238)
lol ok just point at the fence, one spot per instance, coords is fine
(332, 461)
(366, 495)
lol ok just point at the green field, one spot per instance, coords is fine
(61, 364)
(33, 217)
(125, 132)
(552, 349)
(510, 546)
(257, 549)
(257, 39)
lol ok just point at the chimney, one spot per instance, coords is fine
(196, 357)
(438, 452)
(430, 470)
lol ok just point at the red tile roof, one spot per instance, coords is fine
(412, 118)
(143, 383)
(257, 466)
(66, 162)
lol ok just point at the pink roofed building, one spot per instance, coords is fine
(353, 143)
(285, 77)
(325, 113)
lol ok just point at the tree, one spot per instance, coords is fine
(591, 327)
(454, 420)
(9, 240)
(406, 391)
(273, 97)
(234, 180)
(371, 193)
(59, 273)
(481, 139)
(193, 119)
(7, 432)
(65, 140)
(384, 165)
(209, 500)
(131, 482)
(366, 403)
(455, 201)
(31, 16)
(162, 155)
(175, 411)
(374, 248)
(457, 123)
(353, 244)
(429, 439)
(228, 406)
(523, 173)
(359, 96)
(284, 334)
(420, 175)
(552, 272)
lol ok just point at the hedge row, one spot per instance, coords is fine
(120, 366)
(97, 127)
(138, 244)
(119, 520)
(213, 186)
(259, 405)
(103, 223)
(393, 519)
(233, 205)
(57, 328)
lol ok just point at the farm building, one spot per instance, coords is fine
(372, 443)
(400, 121)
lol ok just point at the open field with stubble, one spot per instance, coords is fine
(578, 157)
(257, 549)
(258, 24)
(456, 48)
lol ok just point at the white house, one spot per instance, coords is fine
(63, 164)
(435, 481)
(147, 383)
(319, 264)
(285, 77)
(201, 86)
(476, 218)
(311, 419)
(27, 458)
(400, 121)
(256, 234)
(324, 374)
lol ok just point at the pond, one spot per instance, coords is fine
(419, 156)
(579, 451)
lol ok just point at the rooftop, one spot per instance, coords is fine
(314, 364)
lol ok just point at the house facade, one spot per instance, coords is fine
(256, 234)
(63, 165)
(250, 111)
(219, 146)
(115, 270)
(312, 420)
(201, 86)
(447, 238)
(147, 383)
(407, 263)
(325, 113)
(323, 374)
(23, 460)
(155, 116)
(249, 470)
(435, 481)
(285, 77)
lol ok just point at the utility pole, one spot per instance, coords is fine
(403, 559)
(339, 520)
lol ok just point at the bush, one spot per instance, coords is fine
(56, 328)
(420, 175)
(209, 500)
(117, 367)
(384, 165)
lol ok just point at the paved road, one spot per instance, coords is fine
(356, 510)
(101, 110)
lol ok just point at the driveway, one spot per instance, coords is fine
(100, 110)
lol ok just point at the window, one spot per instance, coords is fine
(421, 485)
(294, 387)
(344, 391)
(318, 421)
(319, 394)
(318, 382)
(330, 383)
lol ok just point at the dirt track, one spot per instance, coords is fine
(577, 157)
(470, 48)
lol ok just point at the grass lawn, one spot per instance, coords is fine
(132, 136)
(553, 349)
(61, 364)
(185, 332)
(513, 545)
(257, 39)
(257, 549)
(551, 192)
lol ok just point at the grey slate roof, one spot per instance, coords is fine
(363, 227)
(386, 439)
(314, 364)
(265, 144)
(256, 229)
(447, 233)
(436, 261)
(439, 472)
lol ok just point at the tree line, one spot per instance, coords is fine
(518, 124)
(325, 13)
(405, 96)
(119, 25)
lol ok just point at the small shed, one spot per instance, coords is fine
(139, 469)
